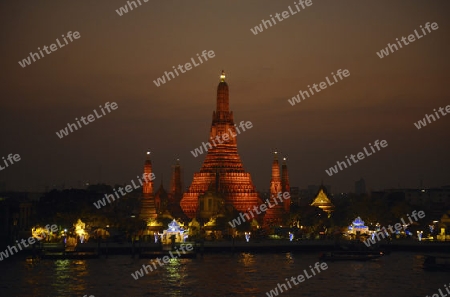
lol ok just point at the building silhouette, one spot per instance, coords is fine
(360, 187)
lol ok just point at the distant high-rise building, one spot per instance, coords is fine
(360, 187)
(295, 195)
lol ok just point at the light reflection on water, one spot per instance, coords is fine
(242, 274)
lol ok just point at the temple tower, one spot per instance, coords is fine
(274, 214)
(148, 207)
(176, 192)
(176, 187)
(285, 185)
(275, 182)
(222, 156)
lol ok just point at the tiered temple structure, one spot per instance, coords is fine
(148, 207)
(222, 158)
(275, 214)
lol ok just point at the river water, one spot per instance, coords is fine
(241, 274)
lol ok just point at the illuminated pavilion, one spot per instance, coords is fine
(323, 202)
(236, 186)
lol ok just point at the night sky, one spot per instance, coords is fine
(117, 58)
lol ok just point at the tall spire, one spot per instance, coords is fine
(285, 185)
(148, 184)
(284, 176)
(222, 164)
(275, 182)
(176, 187)
(223, 105)
(176, 191)
(148, 207)
(274, 215)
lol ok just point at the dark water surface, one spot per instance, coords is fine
(243, 274)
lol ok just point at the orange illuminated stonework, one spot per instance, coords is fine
(148, 206)
(275, 214)
(222, 158)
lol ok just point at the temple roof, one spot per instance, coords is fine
(321, 199)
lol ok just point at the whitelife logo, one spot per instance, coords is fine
(411, 38)
(440, 292)
(31, 240)
(224, 136)
(285, 14)
(10, 159)
(124, 9)
(90, 118)
(53, 48)
(360, 155)
(127, 188)
(340, 73)
(263, 207)
(166, 259)
(416, 215)
(423, 123)
(319, 267)
(162, 80)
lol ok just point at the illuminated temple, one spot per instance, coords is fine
(222, 160)
(221, 186)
